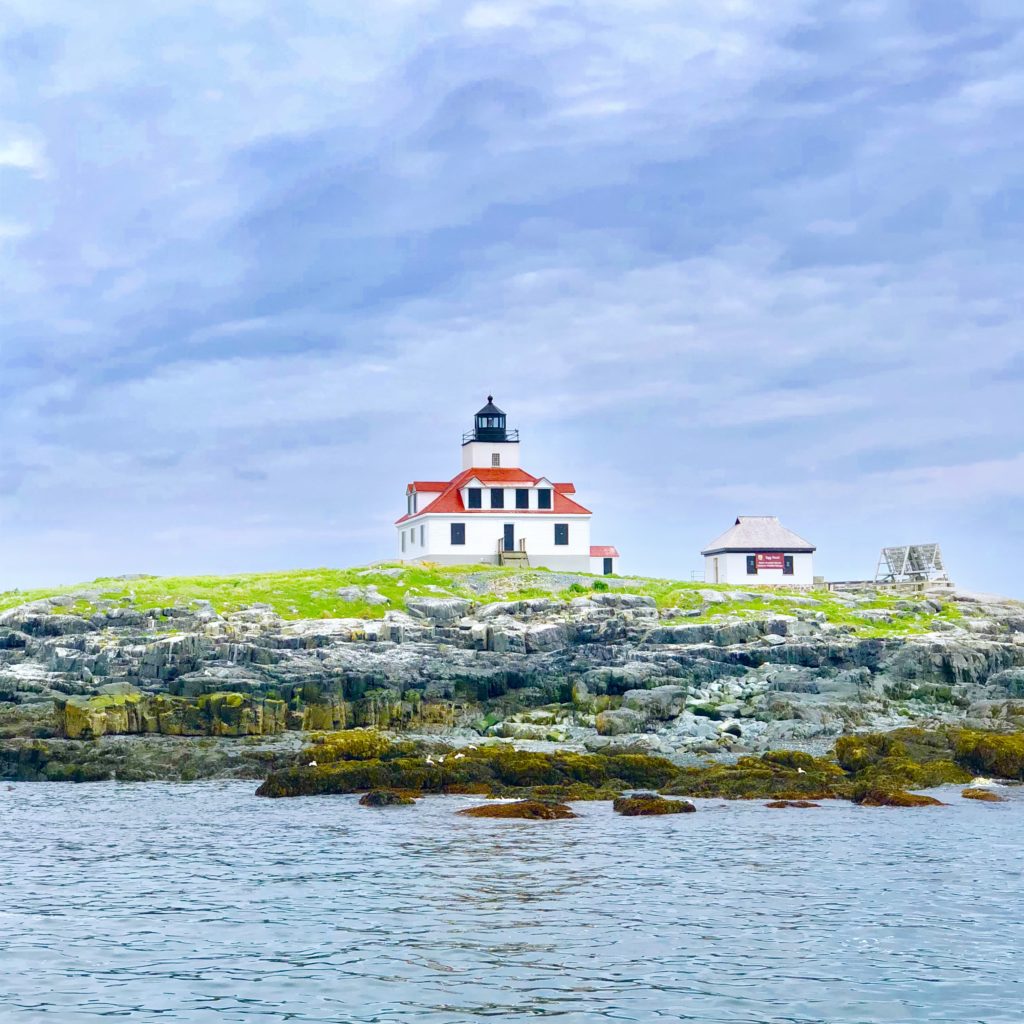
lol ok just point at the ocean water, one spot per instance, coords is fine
(202, 903)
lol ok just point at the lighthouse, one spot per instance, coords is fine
(496, 513)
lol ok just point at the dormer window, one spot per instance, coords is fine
(522, 497)
(544, 497)
(497, 497)
(474, 497)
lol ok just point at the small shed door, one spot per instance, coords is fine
(607, 567)
(510, 537)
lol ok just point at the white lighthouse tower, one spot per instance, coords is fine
(496, 513)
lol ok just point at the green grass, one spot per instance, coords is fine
(312, 593)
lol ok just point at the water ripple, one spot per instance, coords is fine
(201, 903)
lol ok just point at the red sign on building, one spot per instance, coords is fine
(770, 560)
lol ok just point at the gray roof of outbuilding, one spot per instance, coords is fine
(758, 533)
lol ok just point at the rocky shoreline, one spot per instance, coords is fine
(113, 689)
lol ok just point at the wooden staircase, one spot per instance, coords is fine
(513, 556)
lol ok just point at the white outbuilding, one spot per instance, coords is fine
(759, 550)
(495, 512)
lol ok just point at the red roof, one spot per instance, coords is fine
(604, 552)
(431, 486)
(450, 498)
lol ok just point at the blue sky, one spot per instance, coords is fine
(261, 262)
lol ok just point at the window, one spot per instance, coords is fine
(458, 533)
(561, 533)
(474, 496)
(544, 498)
(522, 497)
(403, 540)
(751, 565)
(787, 565)
(497, 497)
(495, 460)
(423, 535)
(415, 502)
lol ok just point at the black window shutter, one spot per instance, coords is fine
(474, 496)
(522, 498)
(458, 533)
(544, 498)
(751, 565)
(497, 497)
(561, 533)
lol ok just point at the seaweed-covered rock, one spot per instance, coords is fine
(990, 753)
(984, 795)
(494, 768)
(349, 745)
(778, 775)
(777, 804)
(385, 798)
(872, 796)
(643, 804)
(532, 810)
(210, 714)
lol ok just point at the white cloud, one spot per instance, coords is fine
(23, 154)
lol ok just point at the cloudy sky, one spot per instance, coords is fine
(261, 262)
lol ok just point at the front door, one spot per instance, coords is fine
(510, 538)
(607, 567)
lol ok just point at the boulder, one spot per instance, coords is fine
(618, 722)
(660, 703)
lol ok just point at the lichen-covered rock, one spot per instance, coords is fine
(531, 810)
(778, 804)
(643, 804)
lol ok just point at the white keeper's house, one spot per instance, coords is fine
(759, 550)
(494, 512)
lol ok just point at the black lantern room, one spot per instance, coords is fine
(490, 425)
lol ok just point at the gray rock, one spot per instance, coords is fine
(618, 722)
(1009, 679)
(660, 703)
(369, 594)
(438, 609)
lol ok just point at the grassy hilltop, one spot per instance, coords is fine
(357, 593)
